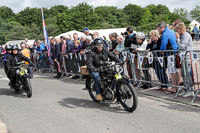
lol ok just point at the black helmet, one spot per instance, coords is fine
(15, 47)
(97, 41)
(8, 47)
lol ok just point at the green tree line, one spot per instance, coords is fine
(60, 18)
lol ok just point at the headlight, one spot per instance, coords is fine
(17, 71)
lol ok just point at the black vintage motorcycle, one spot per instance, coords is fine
(22, 83)
(116, 87)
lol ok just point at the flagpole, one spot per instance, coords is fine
(46, 38)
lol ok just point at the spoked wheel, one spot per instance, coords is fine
(28, 87)
(91, 89)
(127, 96)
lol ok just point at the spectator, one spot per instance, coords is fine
(77, 47)
(130, 38)
(75, 36)
(141, 47)
(83, 44)
(86, 31)
(69, 44)
(25, 51)
(89, 42)
(184, 41)
(175, 23)
(96, 36)
(41, 49)
(120, 46)
(154, 44)
(56, 56)
(196, 32)
(168, 42)
(113, 39)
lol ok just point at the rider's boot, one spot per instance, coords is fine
(99, 97)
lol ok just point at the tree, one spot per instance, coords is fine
(134, 13)
(196, 13)
(181, 12)
(53, 11)
(77, 18)
(159, 13)
(29, 16)
(6, 12)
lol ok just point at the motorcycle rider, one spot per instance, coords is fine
(12, 61)
(96, 58)
(5, 58)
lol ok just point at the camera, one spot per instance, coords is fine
(124, 34)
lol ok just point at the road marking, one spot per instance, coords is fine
(3, 79)
(3, 128)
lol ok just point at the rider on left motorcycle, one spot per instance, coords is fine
(6, 57)
(12, 61)
(96, 58)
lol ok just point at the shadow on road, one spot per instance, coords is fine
(9, 92)
(89, 104)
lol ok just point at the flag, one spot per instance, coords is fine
(46, 39)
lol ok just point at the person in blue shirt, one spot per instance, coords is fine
(41, 49)
(168, 39)
(196, 32)
(69, 44)
(168, 42)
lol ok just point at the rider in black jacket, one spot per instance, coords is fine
(96, 58)
(12, 61)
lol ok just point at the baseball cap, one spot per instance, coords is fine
(85, 29)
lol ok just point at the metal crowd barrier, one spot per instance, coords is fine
(169, 68)
(152, 67)
(193, 79)
(72, 62)
(35, 58)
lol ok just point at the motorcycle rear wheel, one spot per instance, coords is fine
(127, 94)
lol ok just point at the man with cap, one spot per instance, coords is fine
(86, 31)
(96, 58)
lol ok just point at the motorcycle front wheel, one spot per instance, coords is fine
(127, 96)
(28, 87)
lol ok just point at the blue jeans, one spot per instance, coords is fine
(96, 77)
(161, 74)
(197, 37)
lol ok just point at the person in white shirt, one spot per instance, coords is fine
(141, 51)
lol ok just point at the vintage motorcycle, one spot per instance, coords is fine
(116, 87)
(22, 83)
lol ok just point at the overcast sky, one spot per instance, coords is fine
(18, 5)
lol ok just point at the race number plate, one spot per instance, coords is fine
(118, 76)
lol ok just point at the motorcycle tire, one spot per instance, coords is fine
(126, 94)
(28, 87)
(91, 89)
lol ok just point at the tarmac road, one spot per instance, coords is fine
(62, 106)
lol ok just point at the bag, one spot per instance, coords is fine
(84, 70)
(177, 61)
